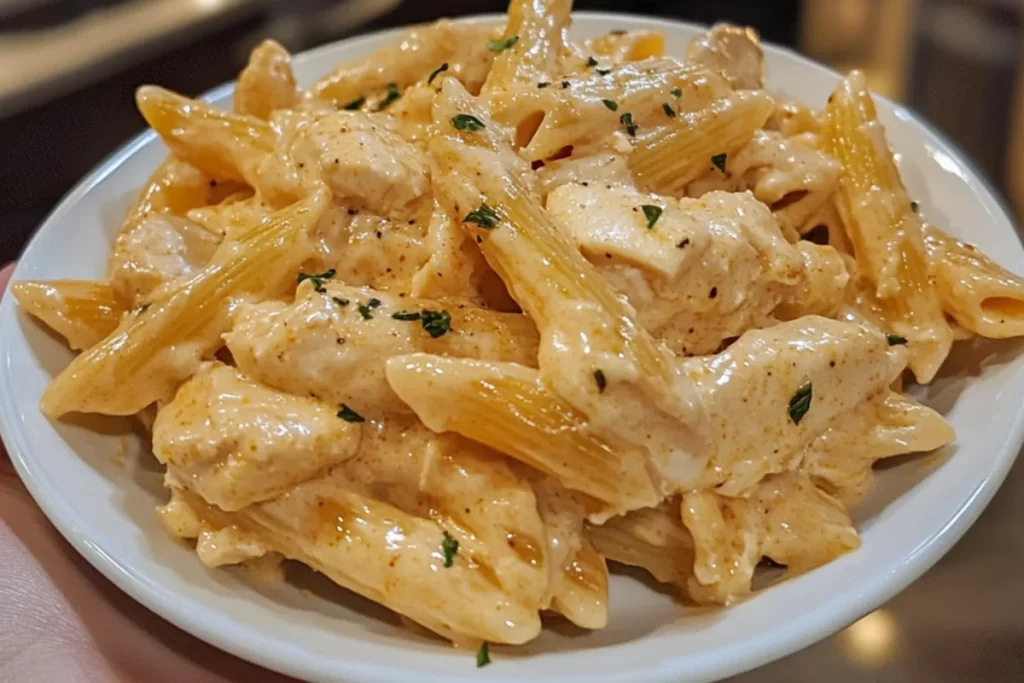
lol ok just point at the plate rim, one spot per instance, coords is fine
(791, 636)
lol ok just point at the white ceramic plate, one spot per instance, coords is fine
(99, 488)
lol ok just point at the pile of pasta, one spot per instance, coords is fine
(472, 316)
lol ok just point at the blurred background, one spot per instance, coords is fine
(68, 70)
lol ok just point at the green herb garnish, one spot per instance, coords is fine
(653, 213)
(914, 206)
(676, 92)
(450, 547)
(484, 217)
(317, 279)
(611, 104)
(406, 315)
(467, 123)
(800, 403)
(349, 415)
(391, 95)
(435, 72)
(340, 301)
(483, 656)
(591, 61)
(669, 111)
(436, 323)
(601, 381)
(502, 45)
(355, 104)
(627, 121)
(602, 72)
(895, 339)
(364, 309)
(719, 161)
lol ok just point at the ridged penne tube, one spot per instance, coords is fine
(564, 293)
(652, 538)
(175, 187)
(885, 231)
(840, 459)
(978, 293)
(582, 597)
(225, 145)
(667, 159)
(153, 350)
(323, 345)
(506, 407)
(351, 538)
(267, 82)
(550, 120)
(537, 42)
(81, 311)
(410, 59)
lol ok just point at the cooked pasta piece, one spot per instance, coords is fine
(506, 406)
(585, 326)
(794, 118)
(978, 293)
(153, 350)
(534, 44)
(735, 51)
(840, 459)
(81, 311)
(237, 443)
(391, 557)
(267, 82)
(668, 159)
(620, 47)
(226, 146)
(333, 344)
(785, 518)
(884, 230)
(652, 538)
(363, 83)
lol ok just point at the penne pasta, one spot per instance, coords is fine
(666, 160)
(533, 45)
(267, 82)
(885, 232)
(155, 349)
(81, 311)
(980, 295)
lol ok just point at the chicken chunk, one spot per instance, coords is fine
(237, 443)
(734, 51)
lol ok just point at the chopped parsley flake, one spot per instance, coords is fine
(357, 103)
(895, 339)
(317, 279)
(406, 315)
(719, 161)
(800, 403)
(483, 656)
(450, 547)
(602, 72)
(391, 95)
(364, 309)
(502, 45)
(543, 84)
(676, 92)
(653, 213)
(669, 111)
(467, 123)
(601, 381)
(611, 104)
(436, 323)
(591, 61)
(340, 301)
(627, 121)
(915, 207)
(484, 217)
(435, 72)
(349, 415)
